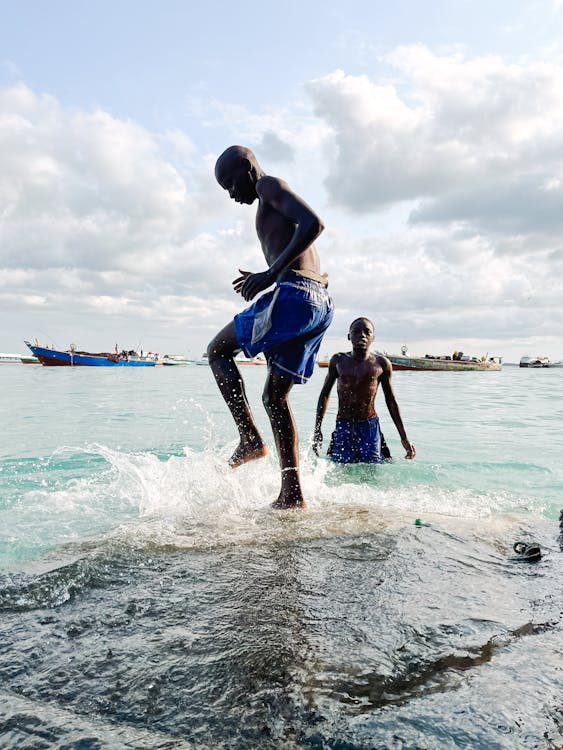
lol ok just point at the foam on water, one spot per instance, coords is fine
(197, 501)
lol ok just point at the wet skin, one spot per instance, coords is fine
(359, 374)
(286, 227)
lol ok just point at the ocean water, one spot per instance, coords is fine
(150, 598)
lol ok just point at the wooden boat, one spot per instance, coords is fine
(444, 363)
(434, 363)
(73, 358)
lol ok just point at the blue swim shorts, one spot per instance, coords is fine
(358, 442)
(287, 324)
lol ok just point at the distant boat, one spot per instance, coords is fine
(73, 358)
(176, 360)
(259, 359)
(29, 359)
(459, 362)
(559, 363)
(528, 361)
(10, 359)
(324, 362)
(203, 361)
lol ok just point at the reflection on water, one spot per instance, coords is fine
(364, 634)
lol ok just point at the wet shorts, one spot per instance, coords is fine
(287, 324)
(358, 442)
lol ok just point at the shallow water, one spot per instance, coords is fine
(149, 597)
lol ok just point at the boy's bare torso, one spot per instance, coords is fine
(357, 385)
(274, 233)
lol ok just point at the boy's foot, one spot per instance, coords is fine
(247, 452)
(292, 501)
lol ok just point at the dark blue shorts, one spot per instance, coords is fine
(358, 442)
(287, 324)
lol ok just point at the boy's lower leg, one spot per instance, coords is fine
(221, 353)
(285, 435)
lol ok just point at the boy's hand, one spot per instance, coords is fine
(317, 442)
(409, 447)
(250, 284)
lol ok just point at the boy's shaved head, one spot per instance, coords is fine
(361, 320)
(232, 157)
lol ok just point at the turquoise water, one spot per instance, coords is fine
(151, 598)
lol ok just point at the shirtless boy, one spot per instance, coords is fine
(357, 438)
(287, 323)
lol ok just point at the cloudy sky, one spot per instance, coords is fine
(428, 136)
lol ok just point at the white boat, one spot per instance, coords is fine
(559, 363)
(528, 361)
(259, 359)
(18, 359)
(10, 359)
(175, 360)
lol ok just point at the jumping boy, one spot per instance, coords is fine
(287, 323)
(357, 437)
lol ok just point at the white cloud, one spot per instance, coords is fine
(453, 125)
(443, 213)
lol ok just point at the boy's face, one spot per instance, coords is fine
(234, 176)
(361, 334)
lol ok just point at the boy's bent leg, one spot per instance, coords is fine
(221, 352)
(275, 400)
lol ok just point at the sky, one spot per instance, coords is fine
(427, 136)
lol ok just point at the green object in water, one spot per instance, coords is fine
(419, 522)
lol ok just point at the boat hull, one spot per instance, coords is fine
(55, 358)
(441, 365)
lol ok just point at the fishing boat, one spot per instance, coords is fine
(528, 361)
(459, 362)
(74, 358)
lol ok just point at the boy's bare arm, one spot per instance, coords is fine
(393, 407)
(323, 402)
(308, 227)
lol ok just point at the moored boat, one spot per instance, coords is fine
(459, 362)
(175, 360)
(74, 358)
(528, 361)
(259, 359)
(10, 359)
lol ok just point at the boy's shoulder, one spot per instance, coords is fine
(268, 186)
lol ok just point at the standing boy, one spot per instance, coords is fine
(287, 323)
(358, 438)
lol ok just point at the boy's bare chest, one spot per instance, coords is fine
(358, 374)
(273, 230)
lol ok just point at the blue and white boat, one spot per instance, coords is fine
(74, 358)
